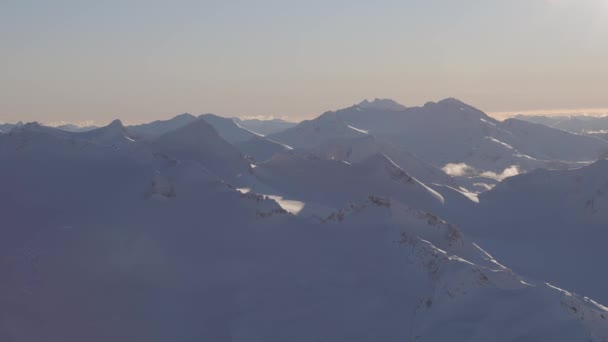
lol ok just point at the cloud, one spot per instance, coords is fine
(86, 123)
(264, 117)
(257, 117)
(459, 170)
(511, 171)
(551, 112)
(483, 186)
(464, 170)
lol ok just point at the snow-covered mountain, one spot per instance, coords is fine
(228, 128)
(335, 183)
(37, 128)
(200, 229)
(543, 142)
(580, 124)
(381, 104)
(355, 150)
(77, 128)
(551, 224)
(261, 149)
(451, 132)
(160, 127)
(114, 134)
(600, 135)
(312, 133)
(142, 247)
(265, 127)
(250, 143)
(5, 128)
(200, 142)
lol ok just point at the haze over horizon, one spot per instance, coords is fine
(77, 61)
(594, 112)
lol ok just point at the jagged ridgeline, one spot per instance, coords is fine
(377, 222)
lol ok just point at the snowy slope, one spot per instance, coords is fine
(200, 142)
(228, 129)
(249, 143)
(114, 134)
(382, 104)
(312, 133)
(7, 127)
(547, 143)
(160, 127)
(141, 248)
(76, 128)
(260, 149)
(335, 183)
(467, 284)
(265, 127)
(356, 150)
(158, 240)
(37, 128)
(451, 131)
(581, 124)
(599, 135)
(550, 224)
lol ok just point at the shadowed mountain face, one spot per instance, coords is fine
(7, 127)
(265, 127)
(356, 150)
(200, 142)
(580, 124)
(250, 144)
(450, 131)
(76, 128)
(549, 224)
(200, 229)
(382, 104)
(228, 129)
(178, 254)
(312, 133)
(160, 127)
(115, 134)
(260, 149)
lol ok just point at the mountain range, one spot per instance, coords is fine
(377, 222)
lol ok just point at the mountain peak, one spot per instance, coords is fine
(381, 104)
(184, 116)
(197, 127)
(159, 127)
(116, 124)
(452, 101)
(33, 124)
(452, 104)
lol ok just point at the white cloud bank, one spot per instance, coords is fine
(464, 170)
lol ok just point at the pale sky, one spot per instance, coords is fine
(139, 60)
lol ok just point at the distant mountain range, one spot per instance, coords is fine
(377, 222)
(594, 126)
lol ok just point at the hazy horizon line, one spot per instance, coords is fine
(597, 112)
(500, 115)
